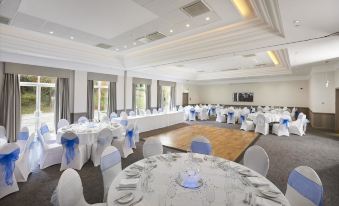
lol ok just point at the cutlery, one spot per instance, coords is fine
(250, 198)
(136, 202)
(126, 195)
(271, 199)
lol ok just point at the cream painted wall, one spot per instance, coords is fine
(129, 87)
(337, 78)
(193, 93)
(322, 99)
(179, 91)
(2, 77)
(80, 92)
(120, 92)
(154, 91)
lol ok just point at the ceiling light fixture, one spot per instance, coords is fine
(297, 23)
(117, 49)
(244, 7)
(125, 46)
(171, 31)
(134, 43)
(207, 18)
(71, 37)
(273, 57)
(188, 25)
(51, 32)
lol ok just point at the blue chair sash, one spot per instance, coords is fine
(213, 110)
(124, 122)
(110, 160)
(44, 129)
(306, 187)
(69, 145)
(285, 122)
(242, 118)
(8, 162)
(130, 136)
(192, 111)
(231, 114)
(23, 136)
(201, 147)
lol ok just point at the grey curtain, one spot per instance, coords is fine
(112, 98)
(134, 88)
(90, 103)
(10, 115)
(173, 102)
(159, 95)
(62, 100)
(148, 96)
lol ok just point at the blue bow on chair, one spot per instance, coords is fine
(231, 114)
(23, 136)
(285, 122)
(130, 136)
(124, 122)
(8, 161)
(192, 111)
(242, 118)
(44, 129)
(70, 147)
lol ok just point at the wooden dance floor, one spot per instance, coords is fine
(226, 143)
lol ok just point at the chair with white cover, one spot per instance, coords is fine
(49, 137)
(105, 119)
(201, 145)
(257, 159)
(231, 116)
(104, 139)
(63, 123)
(282, 128)
(131, 113)
(3, 138)
(212, 111)
(160, 110)
(136, 133)
(246, 125)
(152, 147)
(83, 120)
(69, 191)
(74, 155)
(192, 114)
(220, 117)
(180, 109)
(125, 143)
(9, 154)
(155, 111)
(113, 115)
(261, 124)
(203, 115)
(123, 114)
(51, 153)
(304, 187)
(148, 112)
(24, 164)
(130, 135)
(110, 165)
(22, 138)
(298, 126)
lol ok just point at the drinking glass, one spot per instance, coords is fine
(171, 192)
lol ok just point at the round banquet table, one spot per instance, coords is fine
(213, 174)
(88, 133)
(270, 117)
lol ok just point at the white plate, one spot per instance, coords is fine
(269, 193)
(132, 173)
(246, 172)
(125, 200)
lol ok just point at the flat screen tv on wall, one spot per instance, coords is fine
(243, 97)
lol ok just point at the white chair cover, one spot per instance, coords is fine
(136, 133)
(203, 115)
(304, 187)
(9, 154)
(24, 164)
(62, 123)
(3, 134)
(123, 114)
(257, 159)
(297, 127)
(261, 124)
(247, 125)
(160, 110)
(83, 120)
(22, 138)
(220, 117)
(180, 109)
(231, 116)
(123, 143)
(201, 145)
(152, 147)
(282, 128)
(104, 140)
(51, 154)
(131, 113)
(113, 115)
(192, 114)
(74, 155)
(148, 112)
(69, 191)
(49, 137)
(155, 111)
(105, 119)
(110, 166)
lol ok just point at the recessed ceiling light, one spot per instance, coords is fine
(187, 25)
(297, 22)
(125, 46)
(51, 32)
(117, 49)
(71, 37)
(134, 43)
(171, 31)
(207, 18)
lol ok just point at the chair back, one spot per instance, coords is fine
(160, 110)
(45, 132)
(260, 119)
(69, 191)
(110, 165)
(123, 114)
(62, 123)
(105, 119)
(201, 145)
(113, 115)
(285, 121)
(152, 147)
(155, 111)
(131, 113)
(257, 159)
(70, 142)
(148, 112)
(304, 187)
(105, 137)
(22, 138)
(130, 135)
(83, 120)
(180, 109)
(9, 153)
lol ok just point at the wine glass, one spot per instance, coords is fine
(171, 192)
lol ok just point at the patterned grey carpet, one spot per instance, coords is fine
(318, 149)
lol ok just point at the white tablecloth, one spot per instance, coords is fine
(88, 134)
(214, 176)
(269, 117)
(151, 122)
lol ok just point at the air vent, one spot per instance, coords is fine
(104, 46)
(195, 8)
(151, 37)
(227, 70)
(200, 71)
(4, 20)
(248, 55)
(260, 65)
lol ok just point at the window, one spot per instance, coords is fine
(140, 97)
(166, 98)
(100, 99)
(37, 101)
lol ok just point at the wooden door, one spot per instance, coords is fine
(337, 110)
(184, 99)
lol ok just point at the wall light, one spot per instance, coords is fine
(273, 57)
(244, 7)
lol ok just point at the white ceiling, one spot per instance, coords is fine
(206, 51)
